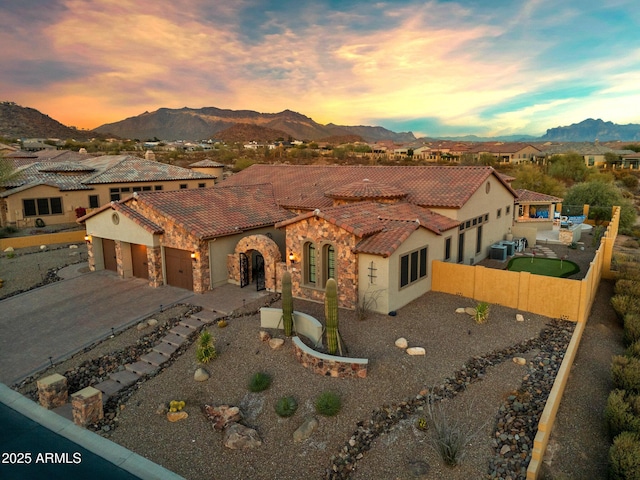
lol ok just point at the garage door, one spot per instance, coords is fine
(109, 253)
(179, 268)
(139, 261)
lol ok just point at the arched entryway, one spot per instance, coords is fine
(256, 257)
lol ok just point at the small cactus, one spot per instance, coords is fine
(287, 304)
(331, 315)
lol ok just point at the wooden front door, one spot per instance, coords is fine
(178, 265)
(139, 261)
(109, 254)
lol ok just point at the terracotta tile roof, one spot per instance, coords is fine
(91, 171)
(304, 187)
(383, 226)
(529, 196)
(133, 169)
(366, 190)
(214, 212)
(388, 240)
(206, 163)
(499, 147)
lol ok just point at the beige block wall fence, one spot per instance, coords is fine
(552, 297)
(44, 239)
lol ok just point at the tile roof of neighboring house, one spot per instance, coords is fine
(206, 163)
(133, 169)
(366, 189)
(499, 147)
(214, 212)
(382, 226)
(529, 196)
(582, 148)
(305, 187)
(59, 172)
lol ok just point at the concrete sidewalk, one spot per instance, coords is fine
(62, 318)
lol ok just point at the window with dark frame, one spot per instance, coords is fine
(413, 267)
(310, 257)
(34, 207)
(183, 186)
(447, 248)
(94, 201)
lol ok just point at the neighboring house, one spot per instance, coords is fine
(52, 188)
(5, 149)
(513, 153)
(631, 160)
(593, 153)
(374, 229)
(536, 209)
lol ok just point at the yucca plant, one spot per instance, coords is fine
(206, 351)
(482, 312)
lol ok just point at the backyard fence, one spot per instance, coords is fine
(44, 239)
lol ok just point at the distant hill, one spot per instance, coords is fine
(246, 132)
(204, 123)
(24, 122)
(591, 130)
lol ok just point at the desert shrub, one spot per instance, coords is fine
(286, 406)
(630, 181)
(631, 328)
(624, 304)
(629, 270)
(625, 372)
(482, 312)
(328, 404)
(242, 163)
(628, 287)
(449, 435)
(259, 382)
(205, 351)
(633, 350)
(624, 457)
(619, 414)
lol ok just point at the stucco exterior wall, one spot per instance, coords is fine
(487, 200)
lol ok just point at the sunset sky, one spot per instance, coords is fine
(485, 67)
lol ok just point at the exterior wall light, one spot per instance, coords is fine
(194, 256)
(87, 238)
(292, 257)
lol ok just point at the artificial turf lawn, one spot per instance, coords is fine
(551, 267)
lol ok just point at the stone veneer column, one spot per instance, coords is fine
(87, 406)
(154, 263)
(53, 391)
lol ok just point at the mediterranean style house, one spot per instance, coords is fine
(375, 229)
(49, 186)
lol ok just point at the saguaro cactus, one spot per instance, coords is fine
(287, 304)
(331, 315)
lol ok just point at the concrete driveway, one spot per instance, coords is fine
(61, 318)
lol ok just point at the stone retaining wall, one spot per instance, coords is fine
(329, 365)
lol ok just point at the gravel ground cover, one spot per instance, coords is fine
(193, 449)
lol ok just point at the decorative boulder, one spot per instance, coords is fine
(239, 437)
(276, 343)
(460, 310)
(264, 336)
(141, 326)
(519, 317)
(201, 375)
(519, 361)
(152, 322)
(402, 343)
(305, 430)
(470, 311)
(176, 416)
(222, 415)
(416, 351)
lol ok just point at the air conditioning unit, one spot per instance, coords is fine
(498, 252)
(511, 247)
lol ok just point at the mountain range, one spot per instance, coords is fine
(244, 125)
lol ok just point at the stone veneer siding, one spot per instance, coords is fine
(154, 264)
(269, 251)
(338, 368)
(321, 232)
(175, 236)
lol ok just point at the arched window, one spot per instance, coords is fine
(310, 259)
(329, 262)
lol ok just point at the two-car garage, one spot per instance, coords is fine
(178, 268)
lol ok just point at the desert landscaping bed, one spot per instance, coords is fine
(375, 433)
